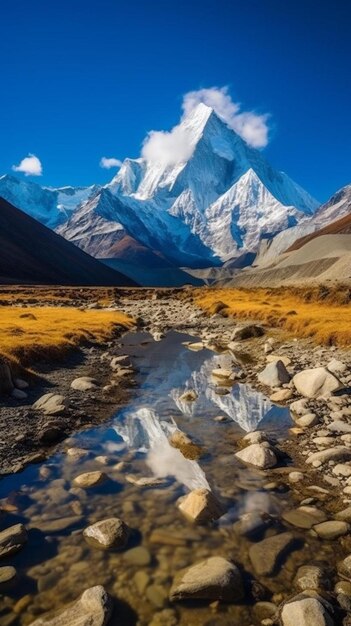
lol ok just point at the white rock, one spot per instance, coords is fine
(84, 383)
(295, 477)
(316, 382)
(51, 404)
(281, 396)
(274, 375)
(339, 427)
(259, 455)
(257, 436)
(336, 367)
(299, 407)
(309, 419)
(305, 611)
(341, 469)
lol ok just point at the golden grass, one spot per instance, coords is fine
(29, 333)
(300, 312)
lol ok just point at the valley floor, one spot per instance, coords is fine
(184, 365)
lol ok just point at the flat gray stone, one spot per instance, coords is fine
(266, 555)
(304, 516)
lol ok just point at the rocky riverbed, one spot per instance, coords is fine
(219, 494)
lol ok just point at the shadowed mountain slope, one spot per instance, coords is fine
(32, 253)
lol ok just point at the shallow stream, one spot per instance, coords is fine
(57, 564)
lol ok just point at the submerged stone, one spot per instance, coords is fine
(266, 555)
(212, 579)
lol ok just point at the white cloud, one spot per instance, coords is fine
(167, 147)
(107, 163)
(30, 166)
(175, 146)
(251, 126)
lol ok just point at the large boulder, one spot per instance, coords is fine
(316, 382)
(93, 608)
(258, 454)
(50, 404)
(304, 610)
(212, 579)
(274, 374)
(200, 505)
(108, 533)
(12, 539)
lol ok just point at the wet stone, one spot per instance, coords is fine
(306, 611)
(89, 479)
(138, 556)
(108, 533)
(212, 579)
(309, 577)
(7, 574)
(332, 529)
(304, 516)
(266, 555)
(12, 539)
(93, 608)
(344, 567)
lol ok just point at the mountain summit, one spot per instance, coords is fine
(199, 195)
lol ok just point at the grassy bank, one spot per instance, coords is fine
(32, 332)
(321, 313)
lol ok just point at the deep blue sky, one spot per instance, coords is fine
(85, 78)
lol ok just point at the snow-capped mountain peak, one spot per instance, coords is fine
(198, 194)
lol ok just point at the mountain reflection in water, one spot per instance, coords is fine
(167, 370)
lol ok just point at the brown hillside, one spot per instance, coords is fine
(32, 253)
(341, 226)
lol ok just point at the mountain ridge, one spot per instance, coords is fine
(198, 195)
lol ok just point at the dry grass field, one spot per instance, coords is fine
(48, 328)
(321, 313)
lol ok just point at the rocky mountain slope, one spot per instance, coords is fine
(337, 207)
(32, 253)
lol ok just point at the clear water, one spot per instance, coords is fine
(57, 564)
